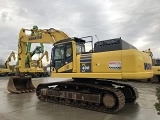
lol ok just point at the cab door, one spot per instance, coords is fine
(62, 59)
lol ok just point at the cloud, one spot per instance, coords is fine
(137, 22)
(142, 42)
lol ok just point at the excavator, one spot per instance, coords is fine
(38, 49)
(36, 66)
(95, 77)
(155, 67)
(7, 70)
(39, 61)
(29, 55)
(32, 66)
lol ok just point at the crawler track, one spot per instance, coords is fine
(130, 91)
(98, 95)
(90, 96)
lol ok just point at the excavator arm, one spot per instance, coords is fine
(9, 59)
(40, 59)
(44, 54)
(20, 83)
(44, 36)
(49, 36)
(29, 55)
(41, 47)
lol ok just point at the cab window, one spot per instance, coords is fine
(68, 50)
(80, 48)
(58, 56)
(62, 54)
(59, 53)
(69, 53)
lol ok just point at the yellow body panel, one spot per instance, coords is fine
(4, 70)
(66, 67)
(156, 70)
(122, 64)
(31, 70)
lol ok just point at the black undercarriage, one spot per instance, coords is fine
(98, 95)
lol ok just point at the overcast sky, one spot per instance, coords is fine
(137, 21)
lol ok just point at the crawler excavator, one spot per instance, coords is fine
(96, 76)
(7, 70)
(40, 62)
(32, 66)
(36, 68)
(29, 55)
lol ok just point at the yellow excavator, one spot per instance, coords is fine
(39, 61)
(155, 67)
(96, 76)
(37, 66)
(32, 66)
(7, 70)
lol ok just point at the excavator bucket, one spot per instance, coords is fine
(19, 84)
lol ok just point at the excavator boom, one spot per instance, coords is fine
(44, 54)
(19, 83)
(49, 36)
(29, 55)
(9, 59)
(39, 61)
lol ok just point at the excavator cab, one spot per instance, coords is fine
(63, 55)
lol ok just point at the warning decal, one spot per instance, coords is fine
(115, 65)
